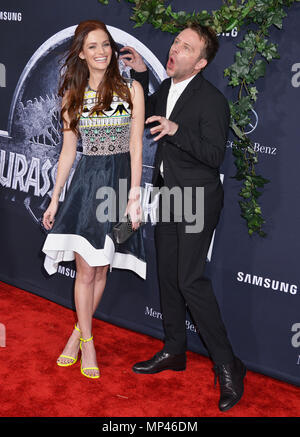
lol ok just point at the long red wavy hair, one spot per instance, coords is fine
(75, 76)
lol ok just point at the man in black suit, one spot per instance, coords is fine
(192, 123)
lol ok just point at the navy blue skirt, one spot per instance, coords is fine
(94, 203)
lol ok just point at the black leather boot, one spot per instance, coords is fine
(231, 380)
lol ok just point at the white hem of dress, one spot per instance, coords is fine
(61, 247)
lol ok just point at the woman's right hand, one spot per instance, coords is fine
(49, 215)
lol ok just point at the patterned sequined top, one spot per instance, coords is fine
(107, 132)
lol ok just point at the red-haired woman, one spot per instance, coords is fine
(107, 112)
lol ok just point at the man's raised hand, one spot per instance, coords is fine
(165, 126)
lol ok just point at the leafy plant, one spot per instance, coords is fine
(255, 52)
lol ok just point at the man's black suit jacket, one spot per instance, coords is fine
(192, 157)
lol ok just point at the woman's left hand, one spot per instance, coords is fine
(134, 210)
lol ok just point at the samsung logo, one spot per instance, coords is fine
(273, 284)
(10, 16)
(66, 271)
(234, 33)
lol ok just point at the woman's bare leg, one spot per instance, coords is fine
(99, 285)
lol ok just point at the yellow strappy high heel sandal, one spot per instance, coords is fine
(82, 369)
(68, 356)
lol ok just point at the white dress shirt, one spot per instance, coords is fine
(175, 91)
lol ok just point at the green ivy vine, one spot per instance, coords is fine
(255, 52)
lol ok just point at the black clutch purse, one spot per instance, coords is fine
(123, 230)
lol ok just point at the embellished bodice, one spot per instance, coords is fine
(107, 132)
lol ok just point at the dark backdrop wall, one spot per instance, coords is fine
(256, 280)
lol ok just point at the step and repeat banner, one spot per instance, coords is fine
(256, 280)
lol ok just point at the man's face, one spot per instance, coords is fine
(185, 56)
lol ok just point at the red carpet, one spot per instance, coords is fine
(32, 385)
